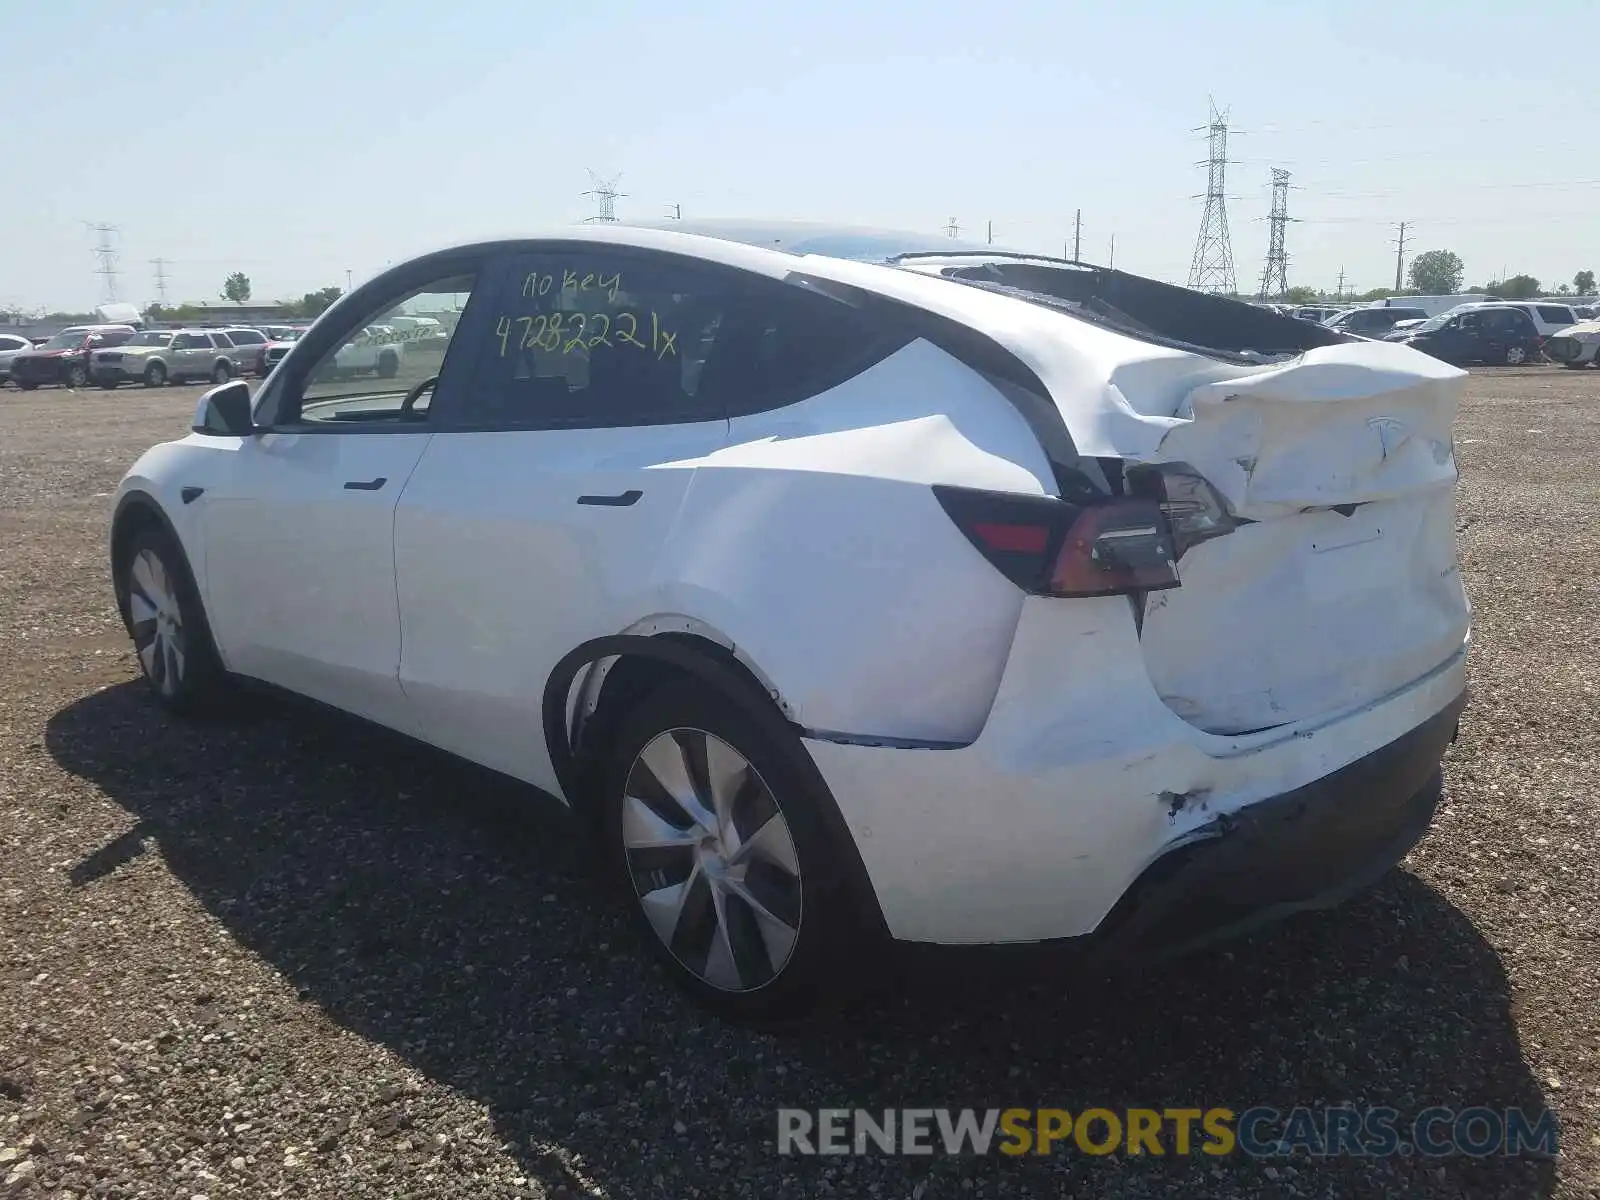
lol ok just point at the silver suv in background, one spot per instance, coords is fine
(157, 357)
(250, 346)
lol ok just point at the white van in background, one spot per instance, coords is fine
(1434, 305)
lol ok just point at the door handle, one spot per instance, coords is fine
(620, 500)
(370, 485)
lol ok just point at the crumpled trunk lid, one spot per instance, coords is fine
(1342, 586)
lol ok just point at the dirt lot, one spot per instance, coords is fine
(285, 956)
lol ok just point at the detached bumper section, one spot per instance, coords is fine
(1303, 850)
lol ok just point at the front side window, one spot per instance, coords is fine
(600, 338)
(191, 341)
(67, 339)
(1555, 314)
(374, 368)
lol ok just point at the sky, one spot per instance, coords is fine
(307, 142)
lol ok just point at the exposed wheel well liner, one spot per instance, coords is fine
(135, 512)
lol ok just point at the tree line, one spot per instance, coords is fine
(1440, 273)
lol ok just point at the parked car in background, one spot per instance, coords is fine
(249, 346)
(1479, 334)
(1402, 326)
(1372, 322)
(1584, 312)
(64, 359)
(158, 357)
(272, 353)
(1576, 346)
(11, 345)
(918, 598)
(1547, 316)
(1313, 313)
(1433, 306)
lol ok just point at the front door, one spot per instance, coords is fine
(300, 536)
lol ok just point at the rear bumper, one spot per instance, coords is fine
(1306, 849)
(1106, 811)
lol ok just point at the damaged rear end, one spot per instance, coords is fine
(1275, 500)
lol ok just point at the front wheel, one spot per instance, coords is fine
(155, 375)
(1516, 356)
(163, 615)
(388, 366)
(25, 385)
(108, 384)
(716, 831)
(221, 373)
(77, 376)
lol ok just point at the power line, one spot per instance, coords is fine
(1212, 267)
(106, 252)
(606, 196)
(1275, 278)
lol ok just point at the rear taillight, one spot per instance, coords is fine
(1131, 543)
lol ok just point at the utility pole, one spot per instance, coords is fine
(160, 264)
(991, 233)
(952, 228)
(1113, 263)
(1339, 295)
(1400, 257)
(1077, 234)
(606, 196)
(677, 212)
(1211, 270)
(106, 252)
(1275, 277)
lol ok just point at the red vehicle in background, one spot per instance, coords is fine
(64, 359)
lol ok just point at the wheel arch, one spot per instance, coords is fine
(620, 669)
(135, 512)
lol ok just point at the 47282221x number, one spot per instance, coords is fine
(578, 333)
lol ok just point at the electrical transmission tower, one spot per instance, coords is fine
(160, 264)
(1275, 279)
(953, 229)
(105, 250)
(606, 196)
(1212, 267)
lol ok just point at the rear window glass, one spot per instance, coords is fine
(1555, 313)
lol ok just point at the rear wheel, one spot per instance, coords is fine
(26, 385)
(155, 375)
(77, 376)
(388, 366)
(715, 831)
(108, 383)
(167, 623)
(1516, 356)
(221, 373)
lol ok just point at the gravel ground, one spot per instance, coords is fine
(282, 955)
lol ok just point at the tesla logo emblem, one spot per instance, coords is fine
(1390, 433)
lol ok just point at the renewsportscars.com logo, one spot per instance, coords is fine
(1340, 1131)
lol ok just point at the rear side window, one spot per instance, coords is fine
(597, 338)
(1555, 314)
(190, 341)
(116, 337)
(221, 342)
(245, 337)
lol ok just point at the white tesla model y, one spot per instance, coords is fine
(850, 586)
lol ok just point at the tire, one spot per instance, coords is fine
(690, 888)
(77, 376)
(221, 373)
(25, 385)
(155, 375)
(162, 612)
(1516, 356)
(109, 385)
(388, 366)
(1575, 366)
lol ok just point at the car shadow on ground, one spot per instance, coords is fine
(440, 911)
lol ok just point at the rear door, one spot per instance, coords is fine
(550, 492)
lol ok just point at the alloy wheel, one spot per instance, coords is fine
(712, 860)
(156, 622)
(1515, 355)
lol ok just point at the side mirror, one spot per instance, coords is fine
(224, 411)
